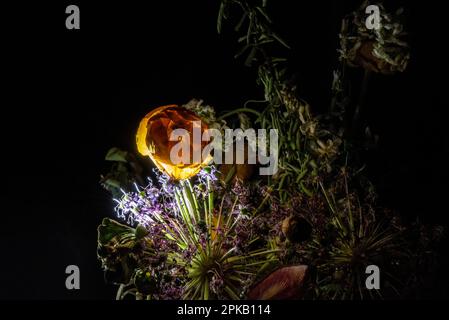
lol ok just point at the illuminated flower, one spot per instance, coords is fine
(153, 140)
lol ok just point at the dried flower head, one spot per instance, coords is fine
(381, 50)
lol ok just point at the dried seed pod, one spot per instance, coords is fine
(296, 229)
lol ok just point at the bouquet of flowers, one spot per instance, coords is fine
(196, 230)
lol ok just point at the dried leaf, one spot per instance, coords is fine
(287, 283)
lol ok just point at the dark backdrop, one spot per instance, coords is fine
(68, 96)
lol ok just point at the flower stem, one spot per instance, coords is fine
(240, 110)
(359, 113)
(119, 292)
(210, 198)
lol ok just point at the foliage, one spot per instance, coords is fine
(202, 250)
(382, 50)
(219, 233)
(349, 231)
(123, 173)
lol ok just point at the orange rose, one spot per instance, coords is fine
(153, 140)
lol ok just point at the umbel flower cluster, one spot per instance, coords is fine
(186, 244)
(308, 232)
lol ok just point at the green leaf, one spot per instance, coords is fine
(221, 16)
(112, 183)
(238, 54)
(242, 20)
(110, 229)
(264, 14)
(141, 232)
(115, 154)
(250, 58)
(280, 40)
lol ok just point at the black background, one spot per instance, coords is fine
(67, 96)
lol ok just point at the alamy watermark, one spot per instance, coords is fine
(73, 19)
(72, 282)
(373, 20)
(258, 149)
(373, 280)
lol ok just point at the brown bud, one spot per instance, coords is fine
(296, 229)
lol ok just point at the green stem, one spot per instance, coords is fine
(119, 292)
(195, 202)
(192, 205)
(254, 101)
(358, 121)
(184, 213)
(206, 215)
(240, 110)
(210, 198)
(262, 203)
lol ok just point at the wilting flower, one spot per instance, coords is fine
(383, 50)
(153, 140)
(206, 113)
